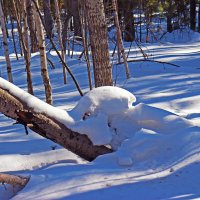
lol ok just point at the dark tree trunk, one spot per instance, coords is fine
(193, 15)
(199, 19)
(169, 24)
(169, 17)
(48, 20)
(31, 25)
(129, 34)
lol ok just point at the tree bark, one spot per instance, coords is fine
(99, 42)
(119, 39)
(43, 59)
(129, 34)
(27, 49)
(5, 44)
(46, 126)
(48, 20)
(31, 25)
(59, 30)
(84, 29)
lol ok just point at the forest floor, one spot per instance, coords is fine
(56, 173)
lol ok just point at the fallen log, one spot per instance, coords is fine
(13, 180)
(47, 126)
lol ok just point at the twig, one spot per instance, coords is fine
(51, 63)
(148, 60)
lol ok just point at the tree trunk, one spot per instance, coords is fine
(119, 39)
(46, 126)
(59, 28)
(199, 19)
(5, 44)
(99, 42)
(24, 37)
(27, 49)
(48, 20)
(76, 17)
(129, 34)
(169, 17)
(31, 25)
(193, 15)
(43, 59)
(13, 37)
(84, 29)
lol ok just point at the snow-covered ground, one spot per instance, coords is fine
(156, 135)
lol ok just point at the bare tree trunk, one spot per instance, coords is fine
(13, 37)
(169, 17)
(76, 19)
(27, 49)
(5, 44)
(43, 59)
(32, 26)
(99, 42)
(24, 41)
(119, 39)
(84, 29)
(46, 126)
(59, 27)
(199, 19)
(129, 34)
(193, 14)
(48, 20)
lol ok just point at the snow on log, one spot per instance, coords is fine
(21, 106)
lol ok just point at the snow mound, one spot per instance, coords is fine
(181, 36)
(157, 119)
(94, 111)
(107, 99)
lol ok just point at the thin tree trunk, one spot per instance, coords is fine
(27, 49)
(43, 59)
(169, 17)
(59, 27)
(99, 42)
(47, 126)
(5, 44)
(119, 39)
(193, 15)
(82, 16)
(199, 19)
(5, 10)
(48, 20)
(13, 38)
(32, 26)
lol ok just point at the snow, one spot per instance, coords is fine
(156, 138)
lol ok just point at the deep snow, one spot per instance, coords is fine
(156, 137)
